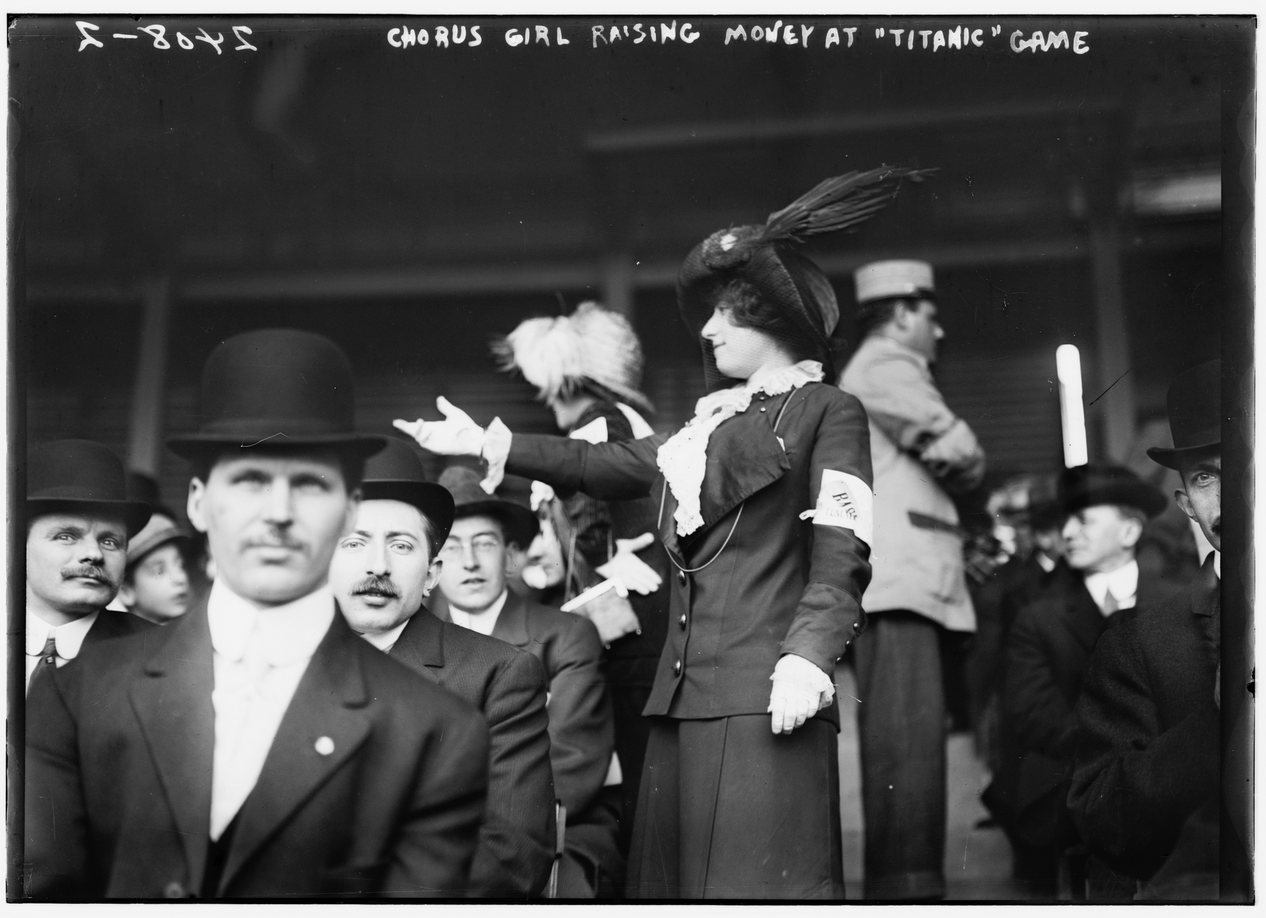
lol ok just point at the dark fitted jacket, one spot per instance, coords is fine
(581, 733)
(516, 841)
(1048, 652)
(781, 585)
(1148, 745)
(118, 791)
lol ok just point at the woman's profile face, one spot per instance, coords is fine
(740, 350)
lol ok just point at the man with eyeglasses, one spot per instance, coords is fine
(474, 594)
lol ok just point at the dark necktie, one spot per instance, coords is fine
(1109, 603)
(48, 661)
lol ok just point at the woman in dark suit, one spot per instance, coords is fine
(765, 511)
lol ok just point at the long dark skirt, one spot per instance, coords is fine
(728, 810)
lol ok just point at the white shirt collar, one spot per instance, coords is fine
(387, 639)
(1044, 561)
(1123, 582)
(69, 637)
(483, 622)
(1217, 563)
(284, 633)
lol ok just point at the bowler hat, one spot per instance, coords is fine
(1091, 485)
(280, 387)
(470, 499)
(79, 475)
(396, 474)
(1195, 413)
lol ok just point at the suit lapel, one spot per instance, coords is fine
(763, 461)
(511, 624)
(1084, 618)
(173, 705)
(328, 706)
(421, 644)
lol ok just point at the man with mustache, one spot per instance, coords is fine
(1145, 792)
(256, 747)
(474, 595)
(78, 523)
(382, 574)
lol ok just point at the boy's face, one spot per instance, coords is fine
(158, 589)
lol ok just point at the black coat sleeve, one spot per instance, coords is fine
(1035, 708)
(516, 842)
(1134, 785)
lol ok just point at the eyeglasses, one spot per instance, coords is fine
(483, 546)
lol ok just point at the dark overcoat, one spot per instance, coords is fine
(1048, 653)
(516, 841)
(581, 730)
(1147, 753)
(754, 582)
(781, 585)
(118, 791)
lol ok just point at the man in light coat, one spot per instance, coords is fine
(920, 450)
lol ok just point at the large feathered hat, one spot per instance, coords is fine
(765, 257)
(558, 355)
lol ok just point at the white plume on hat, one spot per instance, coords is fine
(558, 355)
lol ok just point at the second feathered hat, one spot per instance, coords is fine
(558, 354)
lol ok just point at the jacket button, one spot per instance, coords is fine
(174, 890)
(857, 627)
(682, 620)
(681, 577)
(677, 668)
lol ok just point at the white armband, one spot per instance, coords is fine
(844, 500)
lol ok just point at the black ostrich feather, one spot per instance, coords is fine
(838, 203)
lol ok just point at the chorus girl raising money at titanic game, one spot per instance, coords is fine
(765, 510)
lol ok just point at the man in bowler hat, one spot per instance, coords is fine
(78, 521)
(474, 595)
(382, 574)
(1145, 791)
(256, 747)
(1048, 651)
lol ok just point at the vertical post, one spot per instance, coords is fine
(1116, 378)
(148, 388)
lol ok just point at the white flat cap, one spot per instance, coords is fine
(897, 277)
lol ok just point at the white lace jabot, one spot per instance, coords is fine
(683, 457)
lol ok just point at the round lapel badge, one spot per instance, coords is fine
(324, 745)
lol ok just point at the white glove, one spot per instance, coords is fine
(800, 691)
(456, 435)
(630, 571)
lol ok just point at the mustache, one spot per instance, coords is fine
(382, 585)
(86, 570)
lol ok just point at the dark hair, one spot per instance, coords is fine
(432, 534)
(875, 314)
(749, 308)
(351, 461)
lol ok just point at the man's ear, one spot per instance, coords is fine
(432, 577)
(1184, 502)
(1133, 532)
(193, 505)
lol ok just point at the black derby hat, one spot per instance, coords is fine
(1195, 413)
(1090, 485)
(279, 386)
(470, 499)
(396, 474)
(80, 475)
